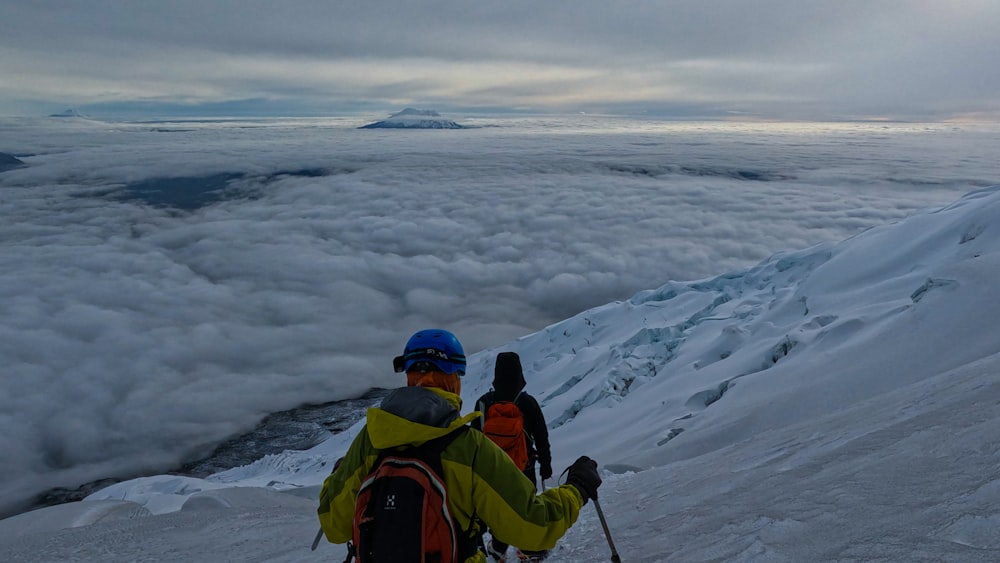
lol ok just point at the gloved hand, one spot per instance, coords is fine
(584, 476)
(545, 471)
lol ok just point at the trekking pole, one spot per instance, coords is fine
(607, 533)
(319, 534)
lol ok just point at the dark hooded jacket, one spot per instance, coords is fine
(508, 385)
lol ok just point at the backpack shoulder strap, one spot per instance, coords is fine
(527, 432)
(469, 541)
(438, 445)
(485, 402)
(430, 451)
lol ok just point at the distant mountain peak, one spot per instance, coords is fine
(68, 113)
(412, 118)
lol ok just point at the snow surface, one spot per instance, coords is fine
(836, 403)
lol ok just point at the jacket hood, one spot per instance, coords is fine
(414, 415)
(508, 378)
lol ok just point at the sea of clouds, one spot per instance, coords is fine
(165, 285)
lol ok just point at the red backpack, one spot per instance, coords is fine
(504, 425)
(401, 513)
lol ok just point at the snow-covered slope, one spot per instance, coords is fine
(707, 363)
(833, 403)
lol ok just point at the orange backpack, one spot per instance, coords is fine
(504, 425)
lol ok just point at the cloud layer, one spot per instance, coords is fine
(134, 336)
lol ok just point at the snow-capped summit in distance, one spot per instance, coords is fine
(411, 118)
(68, 113)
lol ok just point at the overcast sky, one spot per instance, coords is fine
(783, 59)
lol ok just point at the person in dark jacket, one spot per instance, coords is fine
(508, 385)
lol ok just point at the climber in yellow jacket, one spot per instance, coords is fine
(484, 487)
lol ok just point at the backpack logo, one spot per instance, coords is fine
(504, 425)
(401, 512)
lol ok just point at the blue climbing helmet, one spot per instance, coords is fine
(433, 345)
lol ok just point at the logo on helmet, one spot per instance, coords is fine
(432, 353)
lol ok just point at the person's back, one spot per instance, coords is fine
(484, 488)
(508, 389)
(508, 386)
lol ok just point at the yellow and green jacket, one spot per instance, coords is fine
(485, 488)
